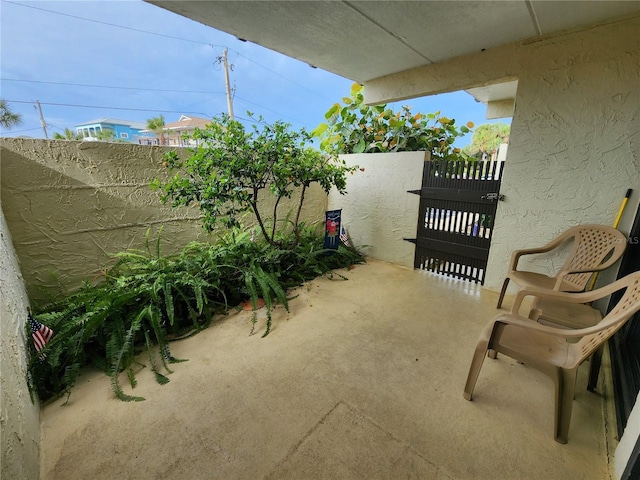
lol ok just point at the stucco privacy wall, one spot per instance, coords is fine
(19, 417)
(377, 210)
(69, 205)
(573, 149)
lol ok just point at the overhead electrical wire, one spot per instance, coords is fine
(111, 24)
(146, 88)
(115, 108)
(20, 131)
(168, 36)
(108, 108)
(267, 108)
(116, 87)
(152, 110)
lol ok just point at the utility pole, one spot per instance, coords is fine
(42, 122)
(226, 78)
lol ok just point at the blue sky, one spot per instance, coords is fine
(80, 57)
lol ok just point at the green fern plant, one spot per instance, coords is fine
(148, 300)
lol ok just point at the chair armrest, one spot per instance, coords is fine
(516, 254)
(527, 324)
(582, 297)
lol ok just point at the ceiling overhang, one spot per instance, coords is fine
(369, 40)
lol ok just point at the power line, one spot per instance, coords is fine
(267, 108)
(20, 131)
(112, 24)
(109, 86)
(148, 110)
(171, 37)
(282, 76)
(108, 108)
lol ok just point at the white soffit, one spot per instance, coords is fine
(365, 40)
(494, 92)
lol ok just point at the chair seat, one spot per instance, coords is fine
(535, 348)
(532, 279)
(570, 315)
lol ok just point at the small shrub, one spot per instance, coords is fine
(234, 167)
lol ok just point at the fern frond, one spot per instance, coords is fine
(168, 302)
(268, 327)
(124, 352)
(161, 379)
(132, 377)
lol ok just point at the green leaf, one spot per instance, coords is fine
(319, 130)
(332, 111)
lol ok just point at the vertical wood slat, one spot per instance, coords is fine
(454, 235)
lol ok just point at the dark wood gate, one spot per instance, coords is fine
(458, 203)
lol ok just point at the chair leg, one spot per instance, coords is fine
(476, 365)
(565, 387)
(594, 369)
(502, 292)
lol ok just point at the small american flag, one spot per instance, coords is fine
(41, 333)
(344, 238)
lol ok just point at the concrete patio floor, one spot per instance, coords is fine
(363, 379)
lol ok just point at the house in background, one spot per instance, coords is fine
(174, 131)
(122, 130)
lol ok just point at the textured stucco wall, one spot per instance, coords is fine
(19, 417)
(71, 204)
(574, 142)
(377, 210)
(574, 135)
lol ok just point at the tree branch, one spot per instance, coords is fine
(254, 206)
(296, 230)
(275, 217)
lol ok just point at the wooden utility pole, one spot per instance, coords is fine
(226, 78)
(42, 122)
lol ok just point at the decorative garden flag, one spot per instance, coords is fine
(332, 229)
(41, 333)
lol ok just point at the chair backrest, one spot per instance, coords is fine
(628, 305)
(595, 248)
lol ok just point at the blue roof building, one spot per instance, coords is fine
(122, 130)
